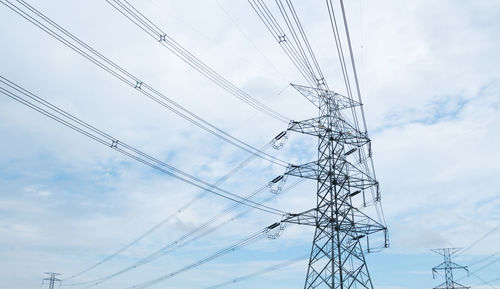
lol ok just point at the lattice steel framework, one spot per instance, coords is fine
(51, 279)
(448, 266)
(343, 180)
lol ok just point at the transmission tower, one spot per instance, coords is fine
(51, 279)
(347, 192)
(343, 176)
(448, 266)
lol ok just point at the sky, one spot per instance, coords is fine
(430, 85)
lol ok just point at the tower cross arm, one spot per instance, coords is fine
(313, 126)
(451, 265)
(304, 218)
(441, 266)
(341, 131)
(365, 225)
(316, 94)
(308, 170)
(454, 284)
(357, 178)
(446, 251)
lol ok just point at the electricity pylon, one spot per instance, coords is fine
(448, 266)
(51, 279)
(343, 178)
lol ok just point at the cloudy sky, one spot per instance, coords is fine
(430, 82)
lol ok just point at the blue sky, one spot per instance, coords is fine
(430, 83)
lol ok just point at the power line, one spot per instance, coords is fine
(259, 272)
(484, 259)
(281, 37)
(483, 267)
(235, 246)
(479, 240)
(351, 54)
(486, 282)
(338, 42)
(45, 24)
(170, 217)
(300, 38)
(150, 28)
(487, 265)
(25, 97)
(497, 279)
(235, 23)
(494, 261)
(296, 40)
(183, 240)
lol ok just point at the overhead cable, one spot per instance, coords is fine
(494, 261)
(150, 28)
(487, 265)
(247, 37)
(342, 58)
(486, 282)
(238, 245)
(259, 272)
(484, 259)
(53, 29)
(293, 52)
(31, 100)
(349, 44)
(170, 217)
(186, 239)
(301, 39)
(478, 240)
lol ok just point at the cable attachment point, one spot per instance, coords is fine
(280, 140)
(274, 231)
(114, 143)
(320, 81)
(350, 151)
(163, 37)
(281, 38)
(377, 193)
(277, 184)
(138, 84)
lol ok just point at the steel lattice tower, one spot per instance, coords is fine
(52, 279)
(343, 178)
(347, 193)
(448, 266)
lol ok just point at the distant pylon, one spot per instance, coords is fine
(448, 266)
(51, 279)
